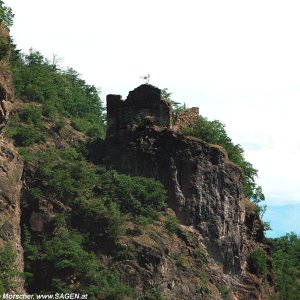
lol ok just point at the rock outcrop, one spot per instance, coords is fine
(11, 169)
(6, 86)
(204, 188)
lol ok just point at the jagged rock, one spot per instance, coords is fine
(158, 259)
(205, 190)
(11, 169)
(6, 85)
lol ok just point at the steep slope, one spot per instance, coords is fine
(89, 229)
(204, 188)
(11, 169)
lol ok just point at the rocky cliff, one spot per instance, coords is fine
(205, 256)
(11, 168)
(205, 190)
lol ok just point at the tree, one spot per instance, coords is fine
(286, 263)
(6, 15)
(177, 107)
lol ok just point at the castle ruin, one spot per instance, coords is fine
(145, 103)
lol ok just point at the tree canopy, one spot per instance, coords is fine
(286, 263)
(60, 92)
(6, 14)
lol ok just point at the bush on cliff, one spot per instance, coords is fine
(137, 196)
(26, 127)
(4, 47)
(257, 262)
(8, 269)
(6, 14)
(69, 267)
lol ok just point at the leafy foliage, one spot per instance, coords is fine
(153, 294)
(60, 92)
(214, 132)
(70, 268)
(26, 127)
(172, 224)
(31, 114)
(286, 263)
(64, 174)
(6, 14)
(257, 262)
(100, 201)
(137, 196)
(201, 257)
(8, 269)
(225, 292)
(99, 218)
(177, 107)
(4, 47)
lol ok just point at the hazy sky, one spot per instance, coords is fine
(238, 61)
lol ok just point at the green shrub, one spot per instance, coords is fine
(128, 252)
(31, 114)
(66, 260)
(8, 269)
(90, 128)
(172, 224)
(64, 174)
(35, 193)
(225, 292)
(99, 218)
(49, 110)
(257, 262)
(286, 265)
(59, 124)
(59, 92)
(4, 48)
(200, 256)
(26, 127)
(154, 293)
(27, 135)
(181, 261)
(137, 196)
(26, 154)
(31, 255)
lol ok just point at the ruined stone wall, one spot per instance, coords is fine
(186, 118)
(143, 104)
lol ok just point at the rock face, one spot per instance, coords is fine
(176, 263)
(204, 189)
(11, 169)
(6, 86)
